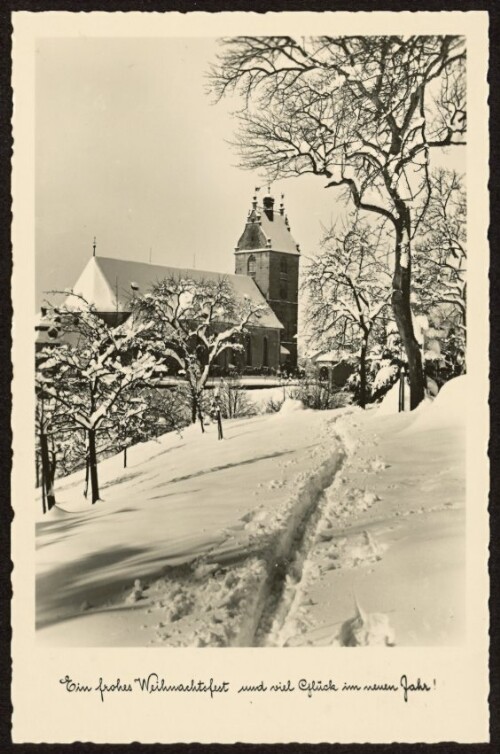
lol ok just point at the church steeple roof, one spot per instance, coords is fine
(267, 229)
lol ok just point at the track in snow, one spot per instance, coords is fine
(286, 570)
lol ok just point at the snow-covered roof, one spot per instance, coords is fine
(329, 357)
(267, 229)
(46, 331)
(107, 283)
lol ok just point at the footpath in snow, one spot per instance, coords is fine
(385, 560)
(301, 528)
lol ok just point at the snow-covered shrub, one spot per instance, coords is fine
(166, 410)
(447, 359)
(385, 378)
(319, 396)
(233, 400)
(273, 405)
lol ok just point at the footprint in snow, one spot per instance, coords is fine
(378, 464)
(137, 592)
(203, 570)
(356, 552)
(275, 484)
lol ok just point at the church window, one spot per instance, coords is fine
(283, 277)
(248, 350)
(265, 353)
(251, 265)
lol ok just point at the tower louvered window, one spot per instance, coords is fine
(283, 278)
(251, 265)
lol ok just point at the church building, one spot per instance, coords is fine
(268, 253)
(266, 271)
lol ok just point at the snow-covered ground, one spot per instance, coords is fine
(262, 397)
(337, 527)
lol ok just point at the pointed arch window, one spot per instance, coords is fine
(265, 352)
(283, 267)
(248, 350)
(251, 265)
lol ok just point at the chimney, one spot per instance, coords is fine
(268, 203)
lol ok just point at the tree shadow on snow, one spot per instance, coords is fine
(61, 592)
(226, 466)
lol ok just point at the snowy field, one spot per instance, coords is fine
(338, 527)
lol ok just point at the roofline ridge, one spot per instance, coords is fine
(168, 266)
(267, 248)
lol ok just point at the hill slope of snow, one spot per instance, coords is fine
(339, 527)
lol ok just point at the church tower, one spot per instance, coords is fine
(268, 253)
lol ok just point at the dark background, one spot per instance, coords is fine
(261, 6)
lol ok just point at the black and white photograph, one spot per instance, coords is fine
(251, 341)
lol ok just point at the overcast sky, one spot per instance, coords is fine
(130, 149)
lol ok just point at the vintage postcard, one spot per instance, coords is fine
(250, 397)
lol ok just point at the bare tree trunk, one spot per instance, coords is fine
(53, 467)
(196, 407)
(44, 498)
(124, 458)
(402, 313)
(94, 482)
(362, 373)
(200, 416)
(86, 488)
(46, 472)
(402, 406)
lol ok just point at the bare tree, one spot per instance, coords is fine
(194, 322)
(46, 418)
(348, 288)
(233, 399)
(141, 415)
(441, 249)
(363, 112)
(92, 370)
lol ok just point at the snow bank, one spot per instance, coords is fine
(390, 402)
(448, 409)
(290, 406)
(261, 397)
